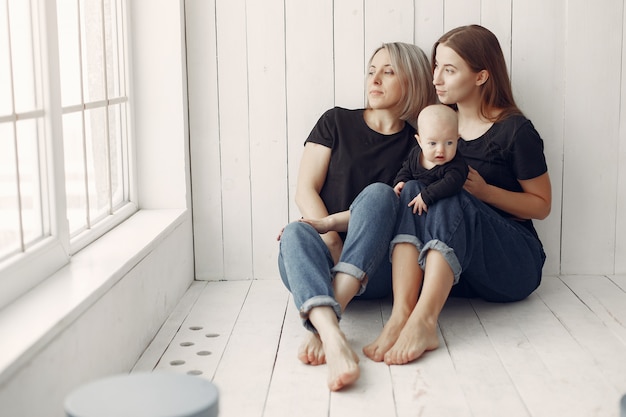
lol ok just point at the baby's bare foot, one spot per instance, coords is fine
(311, 351)
(417, 337)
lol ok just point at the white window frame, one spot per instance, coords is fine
(27, 269)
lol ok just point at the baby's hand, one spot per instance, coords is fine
(418, 205)
(398, 188)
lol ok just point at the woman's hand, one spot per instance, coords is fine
(476, 185)
(328, 227)
(336, 222)
(321, 225)
(534, 202)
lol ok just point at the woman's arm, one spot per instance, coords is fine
(337, 222)
(535, 202)
(311, 176)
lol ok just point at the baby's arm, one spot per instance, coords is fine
(418, 205)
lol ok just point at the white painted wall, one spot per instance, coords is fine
(261, 73)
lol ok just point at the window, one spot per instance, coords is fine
(65, 154)
(94, 98)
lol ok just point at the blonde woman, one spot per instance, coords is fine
(351, 153)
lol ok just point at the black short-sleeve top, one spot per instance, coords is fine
(509, 151)
(359, 155)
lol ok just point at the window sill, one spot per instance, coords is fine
(33, 320)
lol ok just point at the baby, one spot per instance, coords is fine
(435, 162)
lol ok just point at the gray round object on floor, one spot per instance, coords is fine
(156, 394)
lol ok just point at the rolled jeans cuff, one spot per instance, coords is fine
(353, 271)
(405, 239)
(446, 251)
(318, 301)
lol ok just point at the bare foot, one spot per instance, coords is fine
(311, 351)
(417, 337)
(387, 338)
(343, 368)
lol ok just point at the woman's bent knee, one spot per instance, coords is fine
(376, 194)
(297, 230)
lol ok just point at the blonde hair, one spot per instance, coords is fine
(415, 74)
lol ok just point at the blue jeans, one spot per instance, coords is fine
(492, 257)
(306, 265)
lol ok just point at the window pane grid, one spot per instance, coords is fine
(101, 88)
(11, 241)
(64, 133)
(119, 186)
(23, 196)
(24, 60)
(31, 182)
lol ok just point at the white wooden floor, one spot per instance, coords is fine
(561, 352)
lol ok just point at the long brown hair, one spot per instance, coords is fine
(481, 50)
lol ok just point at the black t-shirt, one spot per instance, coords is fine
(509, 151)
(360, 156)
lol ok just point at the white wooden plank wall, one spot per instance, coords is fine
(591, 120)
(261, 74)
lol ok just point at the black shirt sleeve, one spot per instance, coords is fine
(451, 180)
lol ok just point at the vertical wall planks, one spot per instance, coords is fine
(538, 85)
(234, 137)
(205, 138)
(388, 21)
(260, 76)
(350, 56)
(460, 12)
(310, 78)
(268, 129)
(428, 24)
(592, 72)
(620, 228)
(496, 16)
